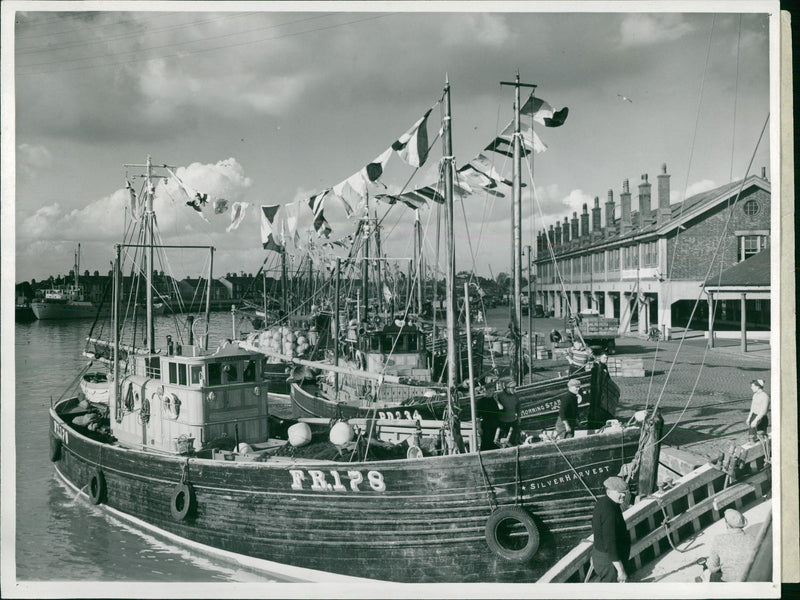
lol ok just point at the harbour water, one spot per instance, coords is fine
(60, 535)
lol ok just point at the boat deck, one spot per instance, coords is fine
(680, 565)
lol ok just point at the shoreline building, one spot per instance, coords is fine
(648, 267)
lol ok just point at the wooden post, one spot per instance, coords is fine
(648, 466)
(710, 320)
(743, 325)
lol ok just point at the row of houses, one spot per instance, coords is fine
(96, 288)
(649, 266)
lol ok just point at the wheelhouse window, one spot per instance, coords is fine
(182, 374)
(214, 374)
(231, 372)
(249, 372)
(173, 373)
(196, 374)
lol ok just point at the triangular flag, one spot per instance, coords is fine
(412, 146)
(220, 206)
(237, 215)
(315, 202)
(543, 113)
(267, 219)
(374, 170)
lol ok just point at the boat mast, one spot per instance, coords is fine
(336, 326)
(418, 258)
(450, 273)
(77, 264)
(284, 290)
(516, 221)
(208, 298)
(365, 264)
(149, 217)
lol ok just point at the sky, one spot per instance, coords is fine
(268, 106)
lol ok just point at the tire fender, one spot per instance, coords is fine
(182, 501)
(507, 516)
(97, 487)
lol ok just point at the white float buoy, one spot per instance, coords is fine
(299, 434)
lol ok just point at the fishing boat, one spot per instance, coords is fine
(415, 353)
(22, 311)
(68, 301)
(186, 445)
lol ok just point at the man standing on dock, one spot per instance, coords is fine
(612, 542)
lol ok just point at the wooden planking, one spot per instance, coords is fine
(250, 508)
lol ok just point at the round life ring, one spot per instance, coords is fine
(182, 501)
(55, 448)
(500, 524)
(97, 487)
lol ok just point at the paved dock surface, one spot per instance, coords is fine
(703, 393)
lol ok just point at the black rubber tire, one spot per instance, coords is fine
(504, 516)
(97, 487)
(55, 449)
(182, 501)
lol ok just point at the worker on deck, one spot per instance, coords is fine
(612, 542)
(567, 419)
(578, 356)
(508, 404)
(730, 551)
(757, 419)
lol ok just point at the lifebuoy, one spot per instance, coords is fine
(55, 448)
(97, 487)
(498, 528)
(182, 501)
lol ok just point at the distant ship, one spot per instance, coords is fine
(67, 302)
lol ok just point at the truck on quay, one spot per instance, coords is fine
(596, 330)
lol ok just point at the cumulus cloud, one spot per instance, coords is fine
(698, 187)
(96, 220)
(646, 29)
(31, 159)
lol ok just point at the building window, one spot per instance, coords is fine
(613, 260)
(750, 245)
(751, 208)
(598, 266)
(649, 254)
(630, 257)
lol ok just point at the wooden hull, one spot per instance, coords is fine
(539, 403)
(406, 520)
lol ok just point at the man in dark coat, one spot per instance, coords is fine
(488, 414)
(612, 542)
(568, 410)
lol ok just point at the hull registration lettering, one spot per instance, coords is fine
(333, 481)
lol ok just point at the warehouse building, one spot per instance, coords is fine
(649, 266)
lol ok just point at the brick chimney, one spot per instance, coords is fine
(644, 202)
(625, 201)
(585, 221)
(664, 211)
(538, 243)
(565, 233)
(574, 233)
(596, 217)
(558, 237)
(552, 237)
(610, 227)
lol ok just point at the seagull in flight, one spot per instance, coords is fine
(625, 98)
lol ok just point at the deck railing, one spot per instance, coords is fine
(660, 521)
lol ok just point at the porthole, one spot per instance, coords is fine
(751, 208)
